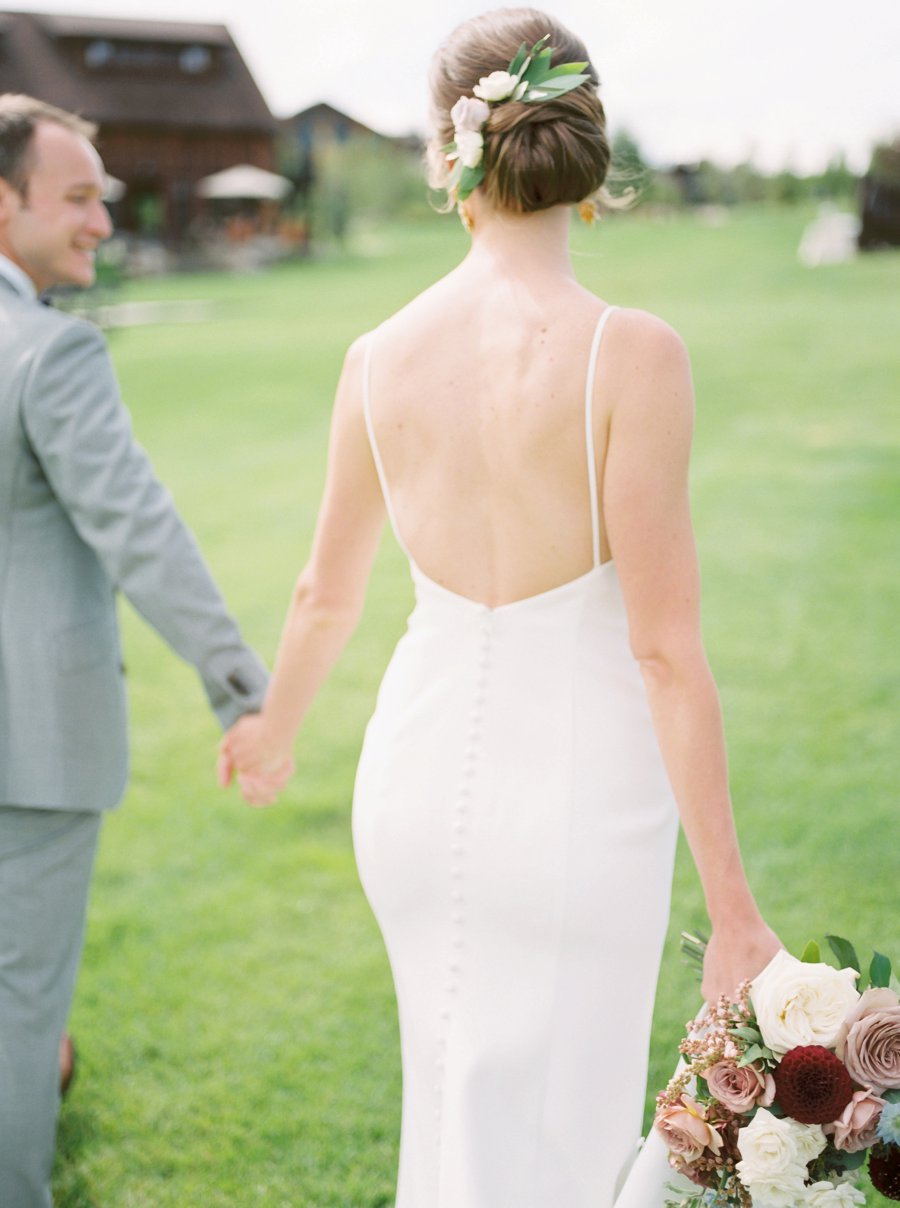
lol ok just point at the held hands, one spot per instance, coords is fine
(736, 953)
(261, 769)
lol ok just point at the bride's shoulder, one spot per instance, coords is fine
(648, 368)
(405, 334)
(411, 330)
(640, 333)
(431, 303)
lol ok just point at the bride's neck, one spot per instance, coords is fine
(527, 243)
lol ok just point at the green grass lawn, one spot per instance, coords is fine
(235, 1016)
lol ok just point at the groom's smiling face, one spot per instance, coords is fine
(52, 226)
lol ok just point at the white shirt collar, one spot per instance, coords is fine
(18, 278)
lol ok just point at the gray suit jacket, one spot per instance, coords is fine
(82, 514)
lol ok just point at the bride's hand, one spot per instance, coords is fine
(261, 769)
(736, 954)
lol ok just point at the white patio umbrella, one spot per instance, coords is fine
(115, 189)
(244, 181)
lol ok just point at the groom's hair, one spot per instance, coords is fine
(20, 116)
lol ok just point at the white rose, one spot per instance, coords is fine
(826, 1195)
(784, 1190)
(496, 87)
(799, 1004)
(810, 1140)
(767, 1146)
(469, 114)
(469, 148)
(774, 1157)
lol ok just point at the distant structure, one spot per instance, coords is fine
(323, 123)
(174, 101)
(880, 199)
(688, 183)
(831, 238)
(313, 133)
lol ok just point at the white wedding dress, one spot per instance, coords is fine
(515, 833)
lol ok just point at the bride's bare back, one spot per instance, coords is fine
(477, 398)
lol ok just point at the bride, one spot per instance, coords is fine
(549, 714)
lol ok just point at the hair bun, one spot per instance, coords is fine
(536, 155)
(510, 115)
(552, 153)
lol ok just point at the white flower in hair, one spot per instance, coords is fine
(469, 147)
(530, 79)
(469, 114)
(497, 86)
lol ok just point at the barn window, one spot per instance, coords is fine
(98, 53)
(194, 60)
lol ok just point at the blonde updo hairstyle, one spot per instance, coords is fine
(536, 155)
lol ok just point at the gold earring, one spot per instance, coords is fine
(465, 217)
(587, 212)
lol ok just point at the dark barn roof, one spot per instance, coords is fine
(122, 72)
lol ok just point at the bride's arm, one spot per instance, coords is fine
(326, 602)
(647, 516)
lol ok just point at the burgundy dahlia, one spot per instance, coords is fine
(812, 1085)
(884, 1170)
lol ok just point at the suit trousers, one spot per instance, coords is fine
(46, 860)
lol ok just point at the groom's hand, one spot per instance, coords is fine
(261, 770)
(260, 791)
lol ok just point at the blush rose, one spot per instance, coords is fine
(685, 1129)
(857, 1126)
(740, 1087)
(869, 1043)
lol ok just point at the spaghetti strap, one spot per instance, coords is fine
(376, 455)
(589, 431)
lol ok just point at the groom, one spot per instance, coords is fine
(81, 514)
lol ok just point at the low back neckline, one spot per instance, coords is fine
(546, 593)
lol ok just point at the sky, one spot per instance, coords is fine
(786, 83)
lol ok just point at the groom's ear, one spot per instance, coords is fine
(11, 200)
(6, 193)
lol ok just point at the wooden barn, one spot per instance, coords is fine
(174, 101)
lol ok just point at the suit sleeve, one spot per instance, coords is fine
(81, 433)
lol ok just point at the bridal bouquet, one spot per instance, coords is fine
(787, 1088)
